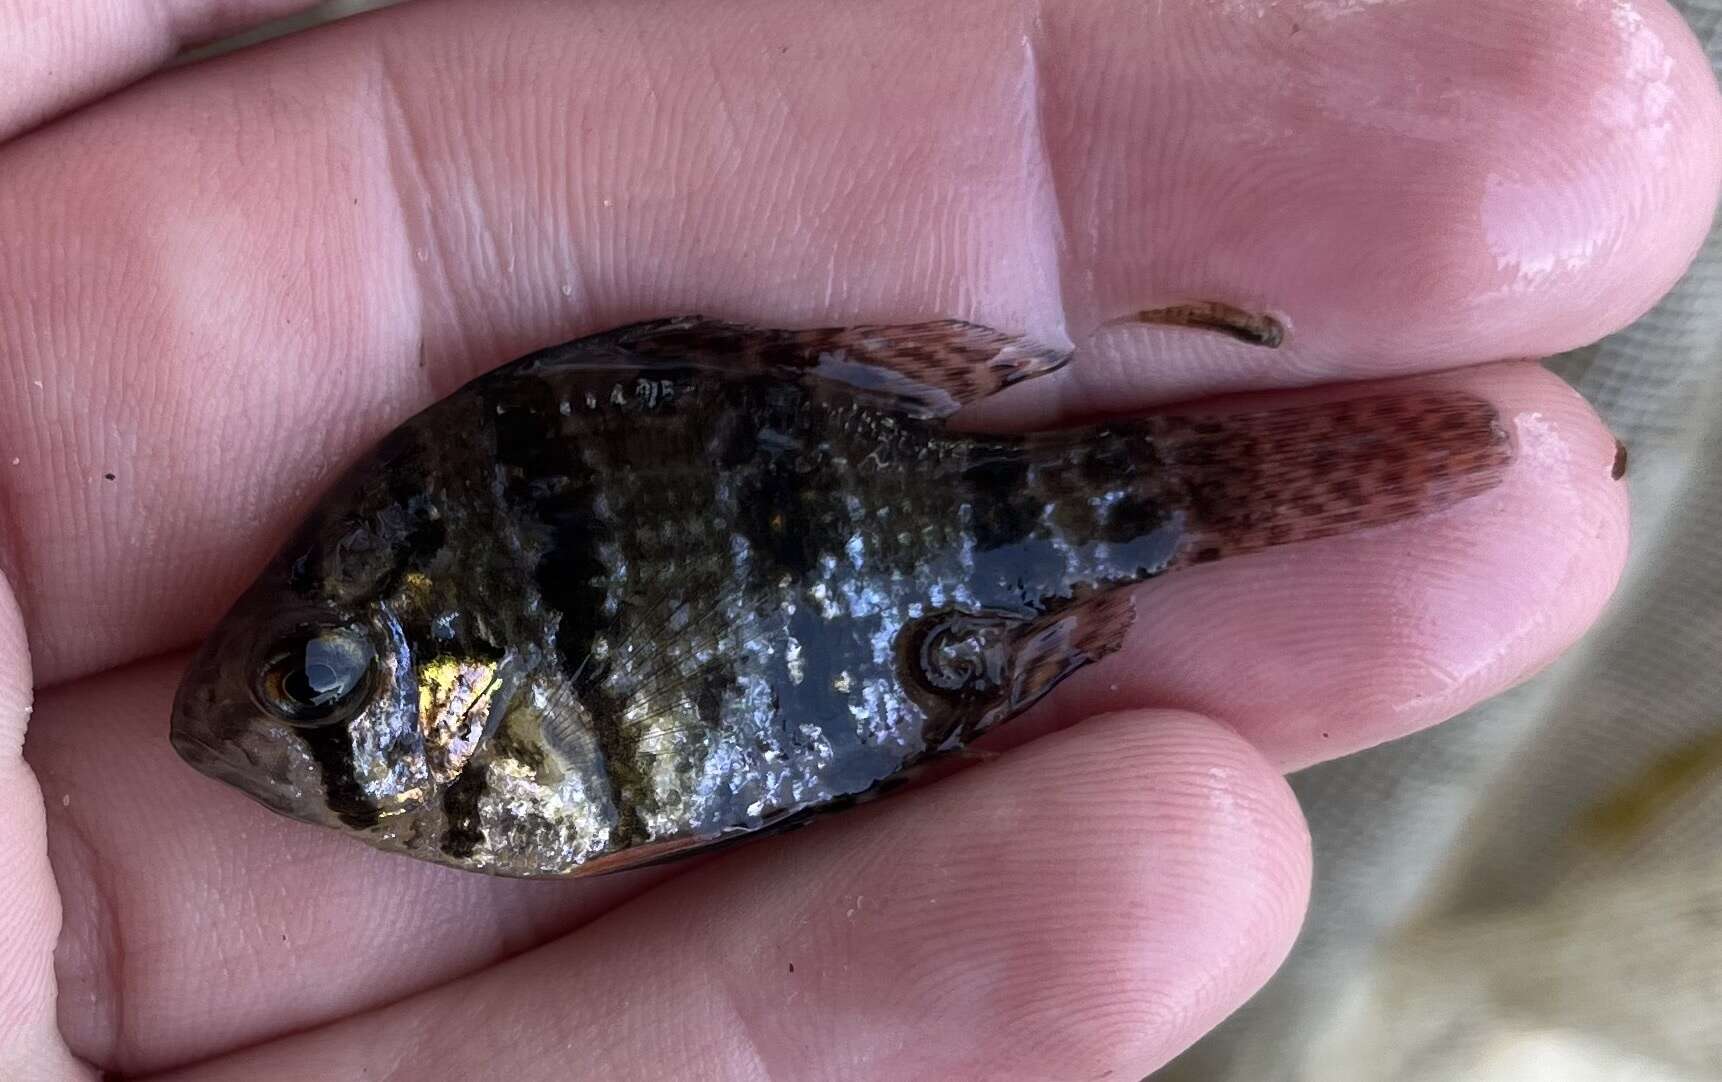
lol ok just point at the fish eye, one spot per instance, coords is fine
(314, 673)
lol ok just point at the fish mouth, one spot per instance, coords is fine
(190, 748)
(213, 761)
(208, 759)
(235, 767)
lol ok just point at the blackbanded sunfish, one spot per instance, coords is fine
(687, 580)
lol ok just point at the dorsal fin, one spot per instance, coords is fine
(927, 369)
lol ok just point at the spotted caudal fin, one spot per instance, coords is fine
(1250, 481)
(920, 369)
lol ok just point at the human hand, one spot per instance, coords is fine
(219, 284)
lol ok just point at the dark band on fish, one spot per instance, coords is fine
(463, 832)
(553, 492)
(332, 748)
(1004, 508)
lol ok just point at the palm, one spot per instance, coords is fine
(218, 284)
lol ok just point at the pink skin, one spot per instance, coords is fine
(220, 283)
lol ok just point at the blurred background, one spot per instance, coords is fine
(1532, 892)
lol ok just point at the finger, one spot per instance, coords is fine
(1350, 641)
(56, 55)
(30, 1043)
(1410, 189)
(1084, 909)
(219, 307)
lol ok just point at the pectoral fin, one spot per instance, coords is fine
(971, 671)
(1051, 647)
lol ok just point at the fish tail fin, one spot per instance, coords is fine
(1257, 480)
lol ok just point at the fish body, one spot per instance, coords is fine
(686, 581)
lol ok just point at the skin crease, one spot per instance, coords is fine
(112, 42)
(229, 278)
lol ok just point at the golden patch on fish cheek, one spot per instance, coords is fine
(455, 697)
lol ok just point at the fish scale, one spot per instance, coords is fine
(687, 581)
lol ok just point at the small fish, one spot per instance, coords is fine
(687, 581)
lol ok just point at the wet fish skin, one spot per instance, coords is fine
(686, 581)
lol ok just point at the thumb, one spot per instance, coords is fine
(30, 1045)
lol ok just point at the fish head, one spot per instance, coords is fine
(338, 690)
(310, 710)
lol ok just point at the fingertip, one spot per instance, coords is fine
(1182, 808)
(1546, 551)
(1092, 902)
(1408, 186)
(1595, 205)
(30, 1044)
